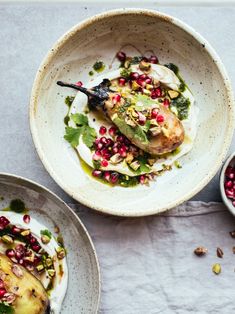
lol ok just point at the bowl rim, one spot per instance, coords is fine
(178, 23)
(16, 179)
(226, 201)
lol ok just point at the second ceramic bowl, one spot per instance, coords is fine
(99, 38)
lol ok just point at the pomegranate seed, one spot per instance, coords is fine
(96, 157)
(30, 267)
(18, 255)
(4, 222)
(1, 284)
(154, 113)
(127, 142)
(233, 203)
(105, 153)
(79, 83)
(21, 261)
(115, 150)
(109, 142)
(26, 219)
(99, 145)
(97, 141)
(2, 292)
(148, 80)
(20, 248)
(158, 92)
(228, 170)
(122, 81)
(10, 253)
(102, 130)
(116, 98)
(143, 77)
(120, 138)
(229, 193)
(153, 59)
(228, 184)
(15, 230)
(153, 94)
(166, 102)
(142, 179)
(231, 175)
(160, 118)
(104, 163)
(114, 177)
(122, 151)
(134, 75)
(37, 260)
(107, 175)
(112, 131)
(141, 82)
(142, 118)
(36, 248)
(121, 56)
(104, 140)
(32, 240)
(96, 173)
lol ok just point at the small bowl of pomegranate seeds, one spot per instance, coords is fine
(227, 183)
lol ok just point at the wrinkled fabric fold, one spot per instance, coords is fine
(148, 265)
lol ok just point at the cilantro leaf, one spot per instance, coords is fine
(69, 100)
(79, 119)
(72, 135)
(88, 136)
(83, 129)
(140, 134)
(46, 233)
(6, 309)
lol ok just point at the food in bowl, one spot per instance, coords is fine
(33, 269)
(134, 124)
(229, 183)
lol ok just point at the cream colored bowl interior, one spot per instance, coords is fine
(99, 39)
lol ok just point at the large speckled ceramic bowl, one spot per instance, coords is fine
(84, 279)
(99, 38)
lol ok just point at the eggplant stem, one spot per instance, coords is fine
(88, 92)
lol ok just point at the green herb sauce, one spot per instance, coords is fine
(17, 206)
(68, 101)
(91, 73)
(99, 66)
(182, 105)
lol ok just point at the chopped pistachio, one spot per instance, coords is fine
(216, 268)
(173, 94)
(129, 157)
(130, 122)
(127, 64)
(156, 82)
(115, 159)
(149, 86)
(45, 239)
(48, 262)
(29, 258)
(39, 267)
(51, 272)
(7, 239)
(135, 86)
(60, 252)
(25, 233)
(145, 66)
(151, 161)
(135, 165)
(146, 91)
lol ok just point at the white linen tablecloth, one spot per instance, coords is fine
(148, 265)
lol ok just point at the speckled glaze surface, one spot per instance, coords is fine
(230, 161)
(83, 291)
(99, 38)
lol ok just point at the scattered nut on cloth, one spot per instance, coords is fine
(148, 264)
